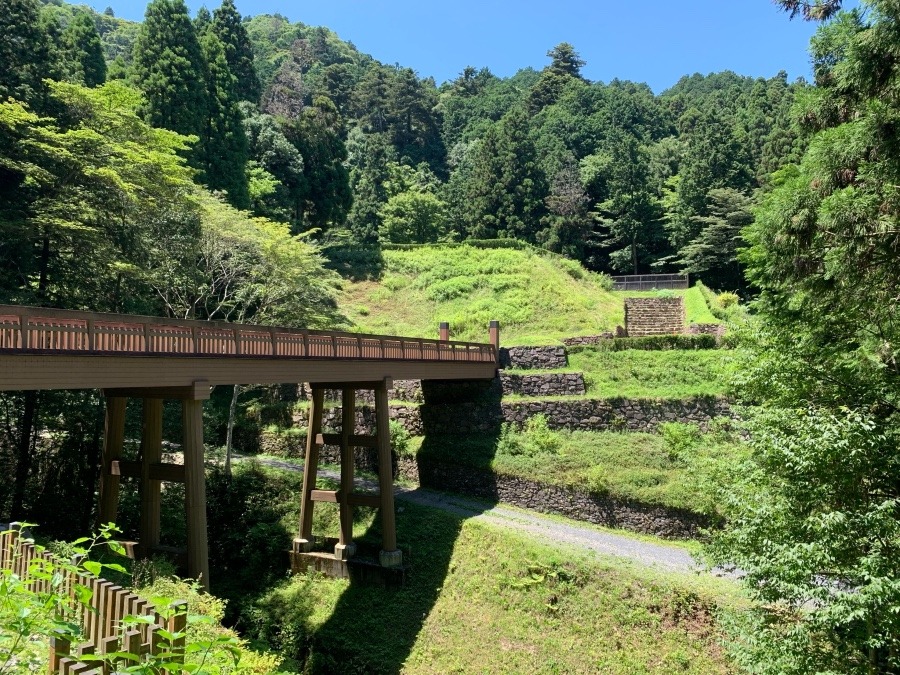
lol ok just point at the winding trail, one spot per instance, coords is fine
(549, 529)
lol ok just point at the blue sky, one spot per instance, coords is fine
(653, 41)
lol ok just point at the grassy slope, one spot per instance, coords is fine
(673, 374)
(538, 298)
(676, 470)
(662, 374)
(482, 599)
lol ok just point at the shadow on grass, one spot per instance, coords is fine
(373, 629)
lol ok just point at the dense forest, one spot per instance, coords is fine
(228, 167)
(288, 122)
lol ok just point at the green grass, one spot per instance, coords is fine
(653, 374)
(538, 298)
(482, 599)
(672, 374)
(678, 468)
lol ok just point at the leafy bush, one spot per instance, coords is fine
(679, 437)
(727, 299)
(535, 438)
(400, 439)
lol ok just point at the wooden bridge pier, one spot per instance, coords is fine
(152, 472)
(345, 496)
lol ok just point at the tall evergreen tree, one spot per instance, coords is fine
(25, 50)
(169, 68)
(238, 50)
(223, 144)
(507, 187)
(83, 51)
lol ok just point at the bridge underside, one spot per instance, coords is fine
(154, 379)
(29, 372)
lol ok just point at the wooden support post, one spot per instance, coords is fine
(494, 331)
(113, 440)
(345, 547)
(304, 541)
(151, 453)
(195, 491)
(444, 329)
(389, 555)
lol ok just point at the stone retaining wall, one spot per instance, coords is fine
(533, 358)
(548, 384)
(654, 316)
(404, 390)
(581, 414)
(591, 339)
(576, 504)
(408, 416)
(715, 329)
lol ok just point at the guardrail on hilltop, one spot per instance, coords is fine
(38, 329)
(647, 282)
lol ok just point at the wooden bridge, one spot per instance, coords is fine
(155, 359)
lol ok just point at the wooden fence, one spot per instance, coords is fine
(101, 619)
(37, 329)
(648, 282)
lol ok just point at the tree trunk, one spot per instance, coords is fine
(229, 435)
(43, 279)
(24, 455)
(634, 261)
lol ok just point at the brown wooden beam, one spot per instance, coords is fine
(390, 556)
(355, 440)
(367, 385)
(348, 427)
(328, 496)
(356, 499)
(113, 441)
(195, 491)
(30, 372)
(198, 391)
(162, 471)
(151, 455)
(304, 540)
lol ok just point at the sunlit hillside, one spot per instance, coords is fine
(539, 298)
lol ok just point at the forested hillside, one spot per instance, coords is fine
(294, 124)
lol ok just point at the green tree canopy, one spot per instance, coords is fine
(83, 51)
(169, 68)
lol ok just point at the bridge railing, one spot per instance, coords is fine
(36, 329)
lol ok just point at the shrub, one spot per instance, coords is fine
(535, 438)
(400, 439)
(727, 299)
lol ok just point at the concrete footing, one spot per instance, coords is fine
(357, 570)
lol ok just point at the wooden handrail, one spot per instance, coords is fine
(38, 329)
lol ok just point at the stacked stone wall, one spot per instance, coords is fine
(533, 358)
(654, 316)
(572, 503)
(576, 415)
(545, 384)
(717, 330)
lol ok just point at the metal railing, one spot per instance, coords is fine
(37, 329)
(647, 282)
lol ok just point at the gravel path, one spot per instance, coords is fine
(549, 529)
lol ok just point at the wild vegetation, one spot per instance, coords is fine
(228, 167)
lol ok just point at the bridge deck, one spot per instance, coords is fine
(58, 349)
